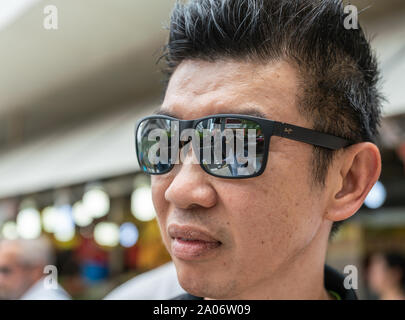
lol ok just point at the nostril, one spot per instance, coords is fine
(194, 206)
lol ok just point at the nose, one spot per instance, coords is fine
(191, 186)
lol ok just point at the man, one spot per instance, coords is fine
(22, 264)
(265, 235)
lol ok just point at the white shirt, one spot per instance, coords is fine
(39, 291)
(158, 284)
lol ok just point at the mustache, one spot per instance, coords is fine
(195, 214)
(198, 216)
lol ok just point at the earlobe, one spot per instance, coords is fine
(359, 169)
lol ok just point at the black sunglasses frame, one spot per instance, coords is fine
(269, 127)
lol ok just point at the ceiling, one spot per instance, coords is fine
(102, 55)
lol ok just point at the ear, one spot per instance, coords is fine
(356, 172)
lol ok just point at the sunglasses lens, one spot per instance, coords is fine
(231, 147)
(153, 145)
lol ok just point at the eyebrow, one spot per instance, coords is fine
(245, 111)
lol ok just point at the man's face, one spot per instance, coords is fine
(261, 224)
(13, 277)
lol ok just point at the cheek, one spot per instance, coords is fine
(275, 213)
(259, 221)
(17, 279)
(296, 203)
(159, 187)
(158, 193)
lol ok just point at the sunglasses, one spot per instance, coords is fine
(229, 146)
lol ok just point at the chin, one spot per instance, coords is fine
(202, 281)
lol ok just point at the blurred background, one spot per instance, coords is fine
(69, 100)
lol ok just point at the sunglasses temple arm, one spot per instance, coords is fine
(309, 136)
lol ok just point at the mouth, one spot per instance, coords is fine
(191, 243)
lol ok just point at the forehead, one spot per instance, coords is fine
(199, 88)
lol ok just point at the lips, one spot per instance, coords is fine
(190, 233)
(191, 243)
